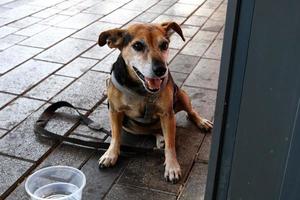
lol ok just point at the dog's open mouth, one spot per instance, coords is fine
(151, 84)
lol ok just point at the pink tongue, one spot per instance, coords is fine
(153, 83)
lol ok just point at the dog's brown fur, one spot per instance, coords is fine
(122, 105)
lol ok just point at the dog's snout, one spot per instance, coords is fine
(159, 68)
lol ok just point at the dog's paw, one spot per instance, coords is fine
(172, 171)
(108, 159)
(160, 141)
(205, 125)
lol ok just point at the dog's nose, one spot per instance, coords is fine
(159, 68)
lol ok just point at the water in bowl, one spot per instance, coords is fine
(57, 190)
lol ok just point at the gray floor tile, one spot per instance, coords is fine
(65, 51)
(93, 31)
(25, 22)
(205, 74)
(97, 52)
(86, 91)
(25, 76)
(120, 16)
(105, 65)
(103, 8)
(215, 50)
(77, 67)
(167, 18)
(49, 87)
(183, 63)
(79, 21)
(139, 5)
(195, 20)
(204, 152)
(17, 111)
(6, 30)
(46, 13)
(48, 37)
(55, 19)
(15, 56)
(120, 192)
(195, 186)
(5, 98)
(213, 25)
(11, 169)
(195, 48)
(205, 35)
(10, 40)
(180, 9)
(32, 30)
(206, 12)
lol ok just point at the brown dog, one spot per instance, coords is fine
(141, 93)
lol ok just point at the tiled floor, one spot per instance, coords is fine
(48, 52)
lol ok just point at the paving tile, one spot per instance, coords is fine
(195, 186)
(15, 55)
(206, 12)
(179, 78)
(55, 19)
(25, 22)
(2, 132)
(32, 30)
(65, 51)
(195, 2)
(65, 4)
(105, 65)
(64, 155)
(167, 2)
(195, 20)
(120, 16)
(79, 21)
(97, 52)
(204, 35)
(172, 54)
(103, 8)
(180, 9)
(213, 25)
(220, 35)
(203, 101)
(93, 31)
(25, 76)
(120, 192)
(146, 17)
(100, 115)
(167, 18)
(5, 21)
(204, 152)
(86, 91)
(49, 87)
(196, 48)
(211, 4)
(95, 189)
(176, 41)
(10, 40)
(48, 37)
(140, 5)
(184, 63)
(17, 111)
(158, 9)
(6, 30)
(20, 12)
(148, 170)
(77, 67)
(189, 31)
(205, 74)
(46, 13)
(11, 169)
(21, 142)
(215, 50)
(5, 98)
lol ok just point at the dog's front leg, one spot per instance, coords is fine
(110, 157)
(172, 167)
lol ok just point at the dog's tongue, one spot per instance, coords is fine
(153, 83)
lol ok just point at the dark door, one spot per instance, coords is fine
(256, 142)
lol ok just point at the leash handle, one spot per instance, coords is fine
(42, 133)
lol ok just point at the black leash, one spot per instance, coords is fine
(42, 133)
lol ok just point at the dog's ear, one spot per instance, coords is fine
(113, 38)
(168, 26)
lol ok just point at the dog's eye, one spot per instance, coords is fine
(138, 46)
(164, 46)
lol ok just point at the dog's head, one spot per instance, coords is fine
(144, 48)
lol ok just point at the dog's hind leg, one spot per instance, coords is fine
(184, 103)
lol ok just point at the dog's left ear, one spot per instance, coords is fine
(168, 26)
(113, 38)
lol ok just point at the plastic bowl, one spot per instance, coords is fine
(56, 182)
